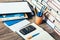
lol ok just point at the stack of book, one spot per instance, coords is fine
(53, 20)
(52, 14)
(14, 10)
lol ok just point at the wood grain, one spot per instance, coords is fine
(9, 0)
(7, 34)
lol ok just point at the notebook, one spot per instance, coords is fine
(12, 16)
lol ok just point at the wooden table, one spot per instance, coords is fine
(7, 34)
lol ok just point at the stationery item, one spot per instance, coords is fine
(16, 25)
(51, 20)
(56, 26)
(57, 30)
(50, 3)
(38, 20)
(14, 7)
(1, 16)
(12, 16)
(50, 23)
(33, 36)
(54, 6)
(15, 10)
(12, 22)
(57, 16)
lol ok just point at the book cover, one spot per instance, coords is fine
(13, 16)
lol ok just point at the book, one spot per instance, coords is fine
(57, 16)
(53, 6)
(49, 4)
(14, 7)
(16, 25)
(50, 23)
(57, 2)
(53, 20)
(57, 30)
(12, 16)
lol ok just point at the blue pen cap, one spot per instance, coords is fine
(39, 14)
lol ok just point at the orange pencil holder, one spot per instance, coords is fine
(39, 18)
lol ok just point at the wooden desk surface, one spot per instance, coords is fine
(7, 34)
(10, 0)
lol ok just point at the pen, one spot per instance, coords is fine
(33, 35)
